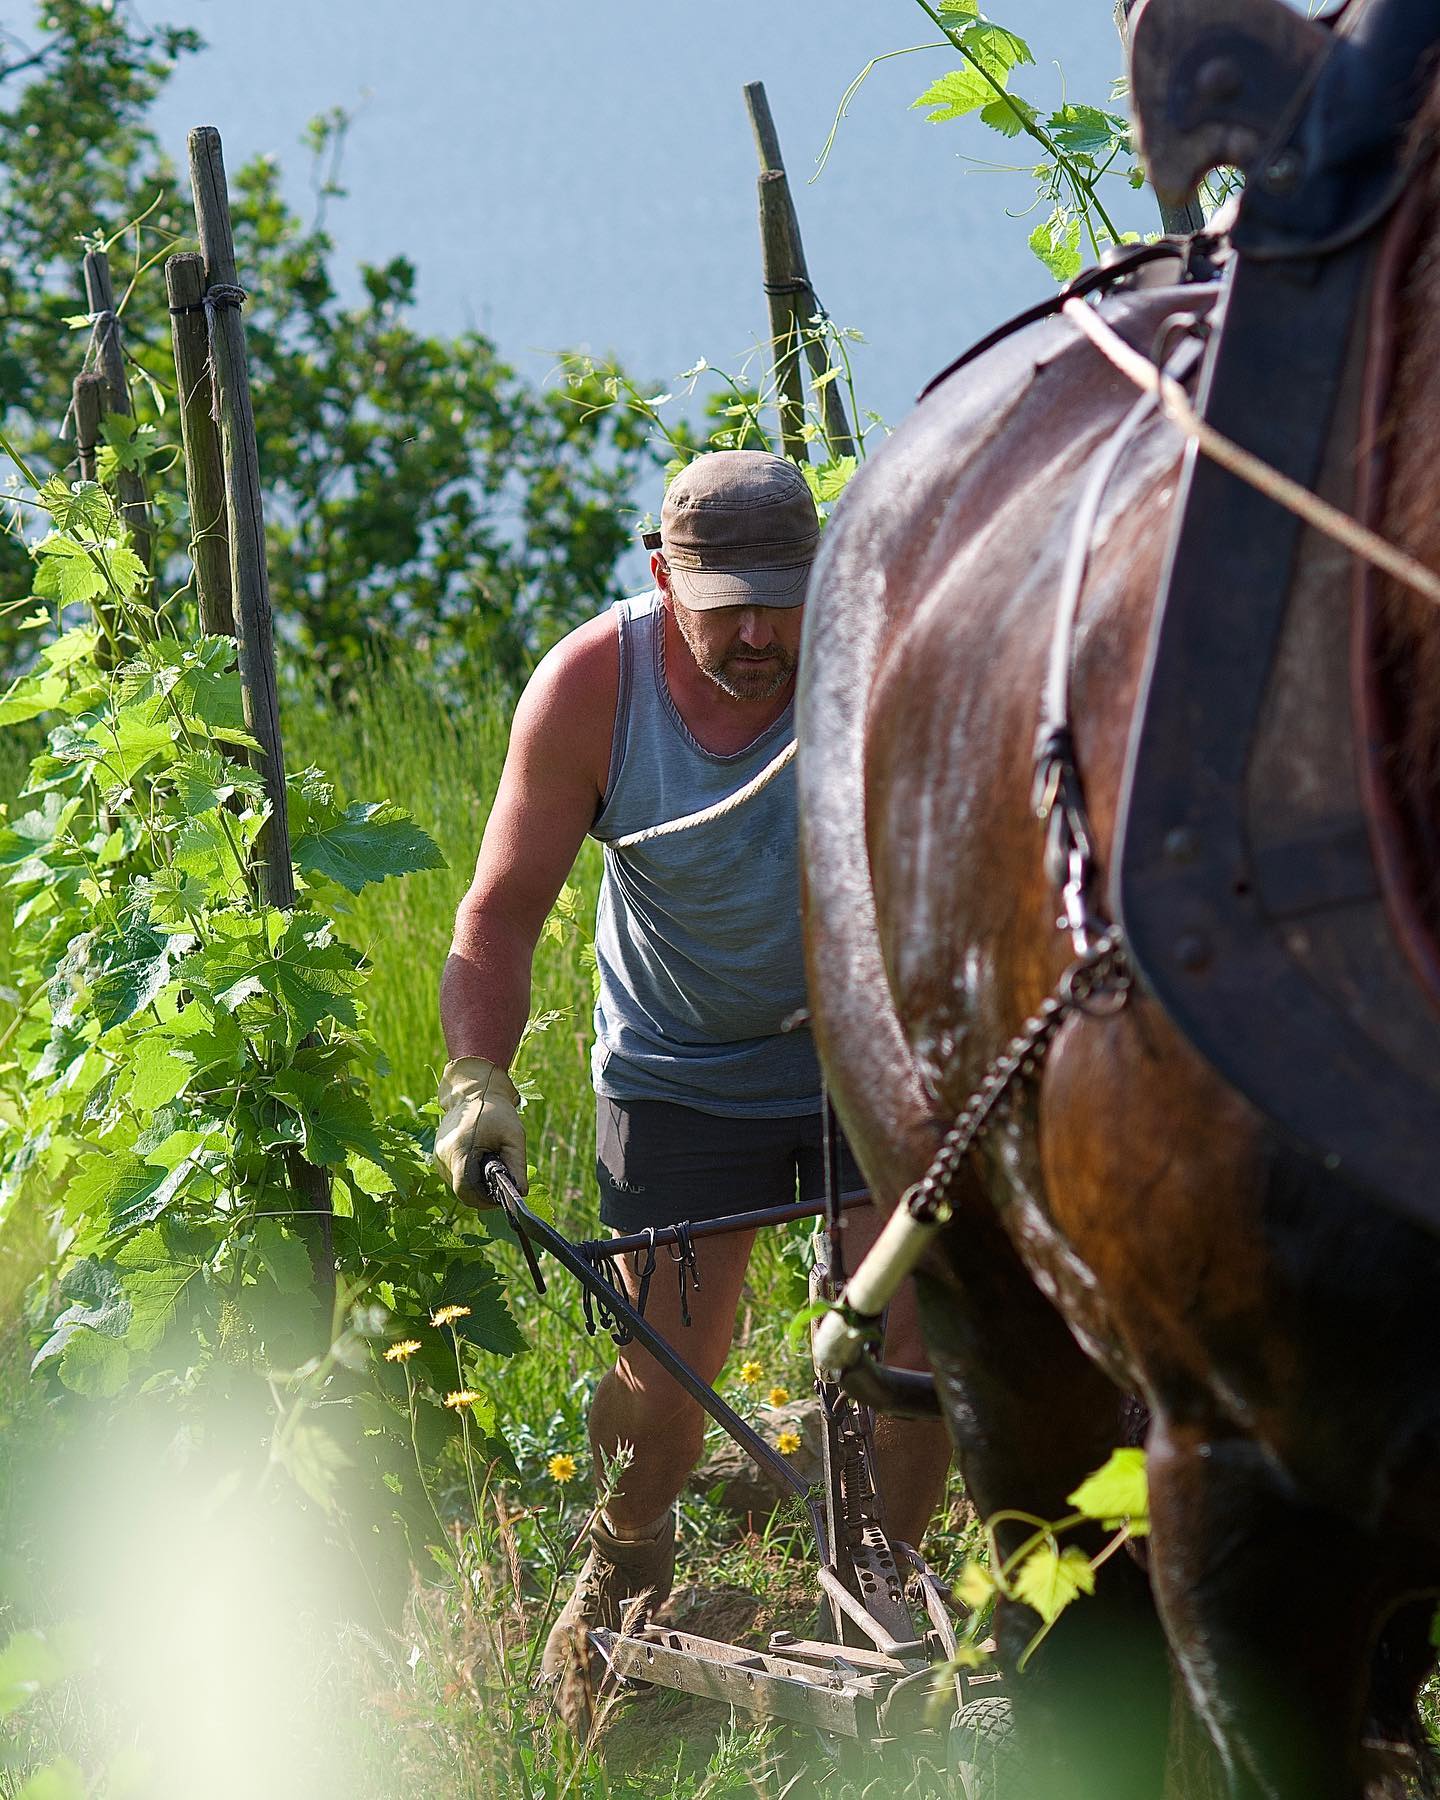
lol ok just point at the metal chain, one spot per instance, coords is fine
(1102, 973)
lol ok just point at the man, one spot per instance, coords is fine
(663, 706)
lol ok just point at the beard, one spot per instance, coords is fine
(740, 673)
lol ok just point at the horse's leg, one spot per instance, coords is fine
(1271, 1605)
(1404, 1657)
(1031, 1417)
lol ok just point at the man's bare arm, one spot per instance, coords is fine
(549, 791)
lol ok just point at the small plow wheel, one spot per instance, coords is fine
(983, 1752)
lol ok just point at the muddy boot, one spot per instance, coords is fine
(620, 1585)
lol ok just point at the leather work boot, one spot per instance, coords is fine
(620, 1584)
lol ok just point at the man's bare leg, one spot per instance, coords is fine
(912, 1456)
(638, 1404)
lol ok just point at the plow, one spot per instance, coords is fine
(881, 1660)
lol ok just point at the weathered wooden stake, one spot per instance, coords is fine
(249, 577)
(1177, 221)
(108, 355)
(89, 396)
(204, 458)
(791, 296)
(250, 590)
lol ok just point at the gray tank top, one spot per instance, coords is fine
(697, 937)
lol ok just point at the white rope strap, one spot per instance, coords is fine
(1175, 404)
(708, 814)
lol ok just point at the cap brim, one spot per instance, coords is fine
(702, 590)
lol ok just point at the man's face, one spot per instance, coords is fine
(749, 652)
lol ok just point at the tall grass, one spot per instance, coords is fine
(440, 758)
(439, 754)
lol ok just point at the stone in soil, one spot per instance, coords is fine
(747, 1491)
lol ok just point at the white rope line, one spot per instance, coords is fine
(708, 814)
(1175, 404)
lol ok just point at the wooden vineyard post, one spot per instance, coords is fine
(204, 459)
(89, 408)
(108, 356)
(1177, 221)
(791, 298)
(250, 593)
(90, 393)
(249, 576)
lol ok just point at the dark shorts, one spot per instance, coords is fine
(659, 1164)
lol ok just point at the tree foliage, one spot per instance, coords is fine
(417, 487)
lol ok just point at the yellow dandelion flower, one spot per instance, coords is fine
(447, 1315)
(778, 1396)
(751, 1372)
(403, 1351)
(788, 1442)
(459, 1400)
(562, 1468)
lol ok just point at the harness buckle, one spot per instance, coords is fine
(1075, 916)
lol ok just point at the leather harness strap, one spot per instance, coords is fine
(1244, 863)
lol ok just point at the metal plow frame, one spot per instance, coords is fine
(893, 1616)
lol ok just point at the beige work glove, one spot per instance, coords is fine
(480, 1105)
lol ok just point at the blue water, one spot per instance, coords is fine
(567, 175)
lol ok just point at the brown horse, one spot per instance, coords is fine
(1132, 1227)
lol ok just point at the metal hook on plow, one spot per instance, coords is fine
(687, 1268)
(505, 1195)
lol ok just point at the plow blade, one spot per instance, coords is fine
(831, 1689)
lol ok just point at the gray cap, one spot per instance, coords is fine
(739, 528)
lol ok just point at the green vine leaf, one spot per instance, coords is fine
(1049, 1580)
(31, 696)
(157, 1074)
(128, 740)
(361, 845)
(997, 50)
(95, 1365)
(134, 970)
(122, 1192)
(99, 1305)
(35, 834)
(156, 1279)
(955, 95)
(334, 1120)
(204, 780)
(128, 444)
(284, 1258)
(1087, 131)
(1009, 116)
(1118, 1494)
(71, 649)
(473, 1282)
(29, 1663)
(61, 1779)
(315, 1460)
(828, 481)
(1057, 244)
(66, 571)
(77, 506)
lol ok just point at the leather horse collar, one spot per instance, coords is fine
(1248, 879)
